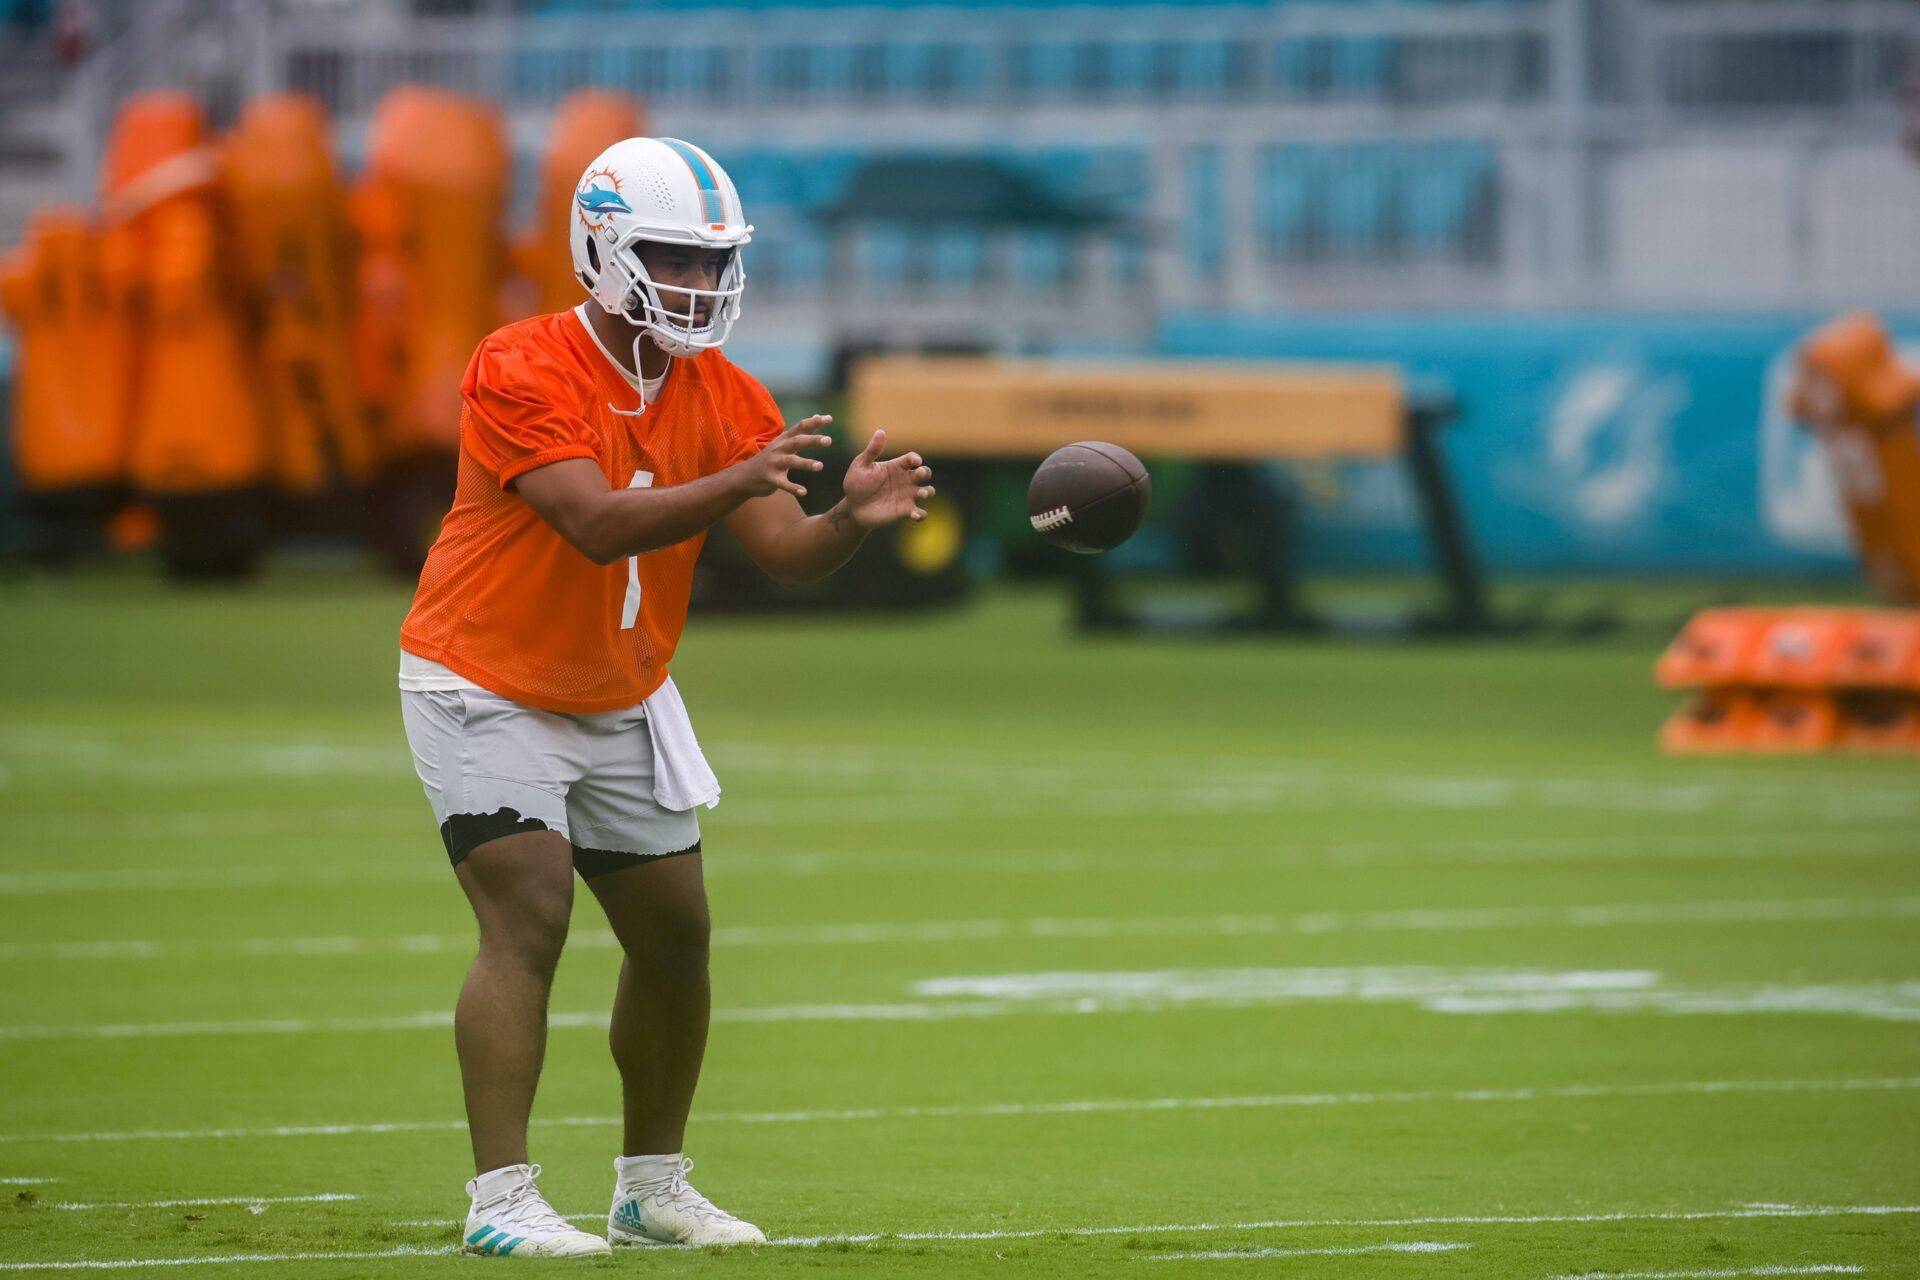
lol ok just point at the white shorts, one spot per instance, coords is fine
(494, 767)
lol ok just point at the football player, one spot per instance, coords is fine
(597, 447)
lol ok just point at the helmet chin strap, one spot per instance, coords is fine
(640, 376)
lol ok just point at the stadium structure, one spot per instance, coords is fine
(1221, 158)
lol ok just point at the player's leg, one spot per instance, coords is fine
(642, 862)
(495, 774)
(658, 912)
(521, 890)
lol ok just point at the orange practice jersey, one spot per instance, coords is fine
(507, 602)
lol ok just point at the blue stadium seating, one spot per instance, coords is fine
(1441, 184)
(1204, 239)
(1043, 259)
(1357, 207)
(959, 255)
(1284, 189)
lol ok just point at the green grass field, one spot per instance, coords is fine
(1033, 956)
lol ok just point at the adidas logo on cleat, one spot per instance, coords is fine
(492, 1240)
(628, 1216)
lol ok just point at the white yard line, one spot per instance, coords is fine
(1815, 1269)
(1085, 1106)
(1410, 1246)
(212, 1259)
(78, 1207)
(1439, 920)
(27, 1182)
(1077, 993)
(1301, 1224)
(1308, 1224)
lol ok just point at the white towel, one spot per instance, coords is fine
(682, 778)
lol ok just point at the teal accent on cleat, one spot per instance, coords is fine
(628, 1216)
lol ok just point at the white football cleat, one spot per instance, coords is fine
(669, 1211)
(517, 1221)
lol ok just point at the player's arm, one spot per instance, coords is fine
(792, 546)
(607, 524)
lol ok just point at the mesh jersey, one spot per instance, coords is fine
(507, 602)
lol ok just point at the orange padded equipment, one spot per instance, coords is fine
(1801, 648)
(586, 124)
(69, 427)
(1713, 650)
(1795, 680)
(1883, 652)
(1794, 721)
(428, 211)
(1874, 720)
(197, 423)
(1713, 720)
(1854, 393)
(289, 218)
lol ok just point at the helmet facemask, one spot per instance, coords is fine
(625, 289)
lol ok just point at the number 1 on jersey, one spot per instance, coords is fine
(630, 608)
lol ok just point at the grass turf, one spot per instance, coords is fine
(231, 940)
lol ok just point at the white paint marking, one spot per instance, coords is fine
(1088, 1106)
(1411, 1246)
(26, 1182)
(1364, 983)
(1296, 1224)
(1438, 990)
(77, 1207)
(1816, 1269)
(156, 879)
(1307, 1224)
(1073, 993)
(1443, 920)
(207, 1260)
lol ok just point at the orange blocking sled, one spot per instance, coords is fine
(1713, 720)
(1795, 681)
(289, 218)
(1800, 648)
(1883, 652)
(429, 212)
(1878, 721)
(1714, 649)
(69, 432)
(197, 426)
(586, 124)
(1793, 721)
(1853, 392)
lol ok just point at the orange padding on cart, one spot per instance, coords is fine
(1795, 680)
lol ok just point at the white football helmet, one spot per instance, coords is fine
(670, 192)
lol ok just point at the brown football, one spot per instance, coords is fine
(1088, 497)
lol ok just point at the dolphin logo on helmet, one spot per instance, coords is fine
(603, 200)
(662, 191)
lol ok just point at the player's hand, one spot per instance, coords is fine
(767, 471)
(881, 493)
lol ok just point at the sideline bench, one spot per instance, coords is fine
(1233, 415)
